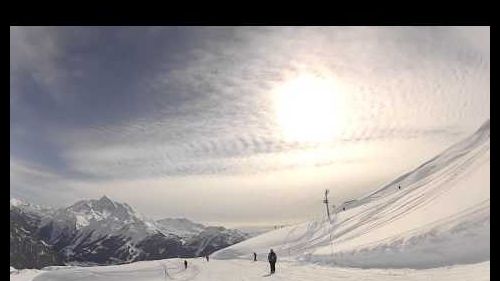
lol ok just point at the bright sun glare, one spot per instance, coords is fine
(308, 108)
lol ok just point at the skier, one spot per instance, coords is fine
(185, 264)
(207, 257)
(399, 187)
(254, 256)
(272, 260)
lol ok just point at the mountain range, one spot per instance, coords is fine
(102, 232)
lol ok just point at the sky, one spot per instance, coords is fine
(236, 125)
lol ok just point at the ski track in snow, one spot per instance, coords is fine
(246, 270)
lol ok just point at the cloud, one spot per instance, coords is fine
(41, 185)
(34, 55)
(101, 105)
(108, 153)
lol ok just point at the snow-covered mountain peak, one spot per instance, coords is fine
(103, 206)
(104, 211)
(33, 209)
(105, 202)
(105, 198)
(105, 231)
(180, 226)
(14, 202)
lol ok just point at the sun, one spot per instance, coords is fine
(308, 108)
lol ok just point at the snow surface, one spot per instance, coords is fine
(24, 274)
(37, 210)
(235, 270)
(436, 227)
(16, 202)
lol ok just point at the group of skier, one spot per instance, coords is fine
(271, 258)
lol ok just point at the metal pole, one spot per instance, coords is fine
(326, 203)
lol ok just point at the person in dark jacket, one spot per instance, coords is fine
(254, 256)
(271, 257)
(185, 264)
(207, 258)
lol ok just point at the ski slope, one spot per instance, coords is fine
(436, 227)
(245, 270)
(439, 217)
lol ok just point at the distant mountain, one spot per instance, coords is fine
(213, 238)
(256, 230)
(180, 226)
(105, 232)
(27, 249)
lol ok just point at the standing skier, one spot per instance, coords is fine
(272, 260)
(254, 256)
(185, 264)
(207, 257)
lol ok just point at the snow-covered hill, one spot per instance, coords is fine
(231, 270)
(440, 216)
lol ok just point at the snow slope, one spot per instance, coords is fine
(24, 274)
(236, 270)
(439, 217)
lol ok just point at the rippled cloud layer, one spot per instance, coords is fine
(97, 110)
